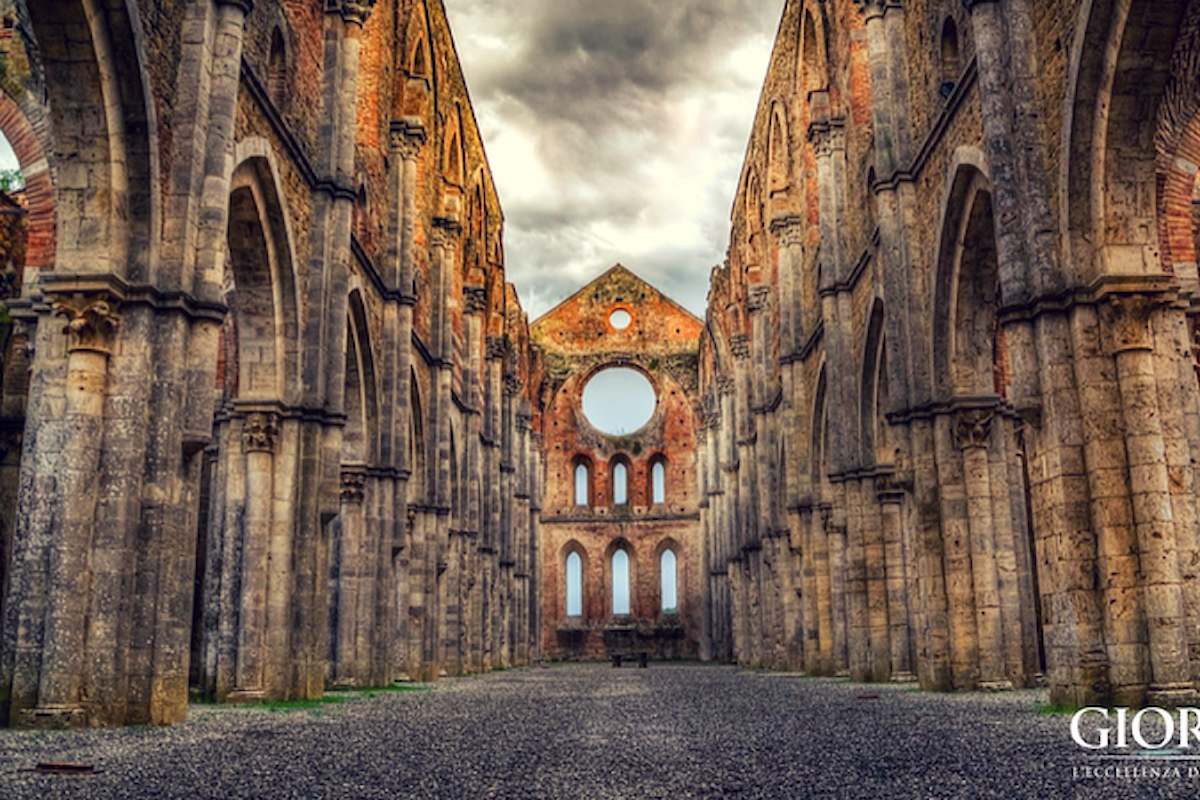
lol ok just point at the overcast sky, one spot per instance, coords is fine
(615, 130)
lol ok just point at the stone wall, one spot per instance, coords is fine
(278, 432)
(974, 383)
(576, 341)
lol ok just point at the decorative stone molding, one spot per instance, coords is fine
(474, 299)
(1128, 321)
(245, 5)
(260, 429)
(512, 384)
(408, 136)
(496, 347)
(725, 385)
(739, 345)
(972, 427)
(970, 5)
(92, 321)
(354, 482)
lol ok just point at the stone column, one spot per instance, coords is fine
(858, 619)
(350, 571)
(875, 558)
(1128, 320)
(972, 432)
(92, 324)
(891, 499)
(260, 430)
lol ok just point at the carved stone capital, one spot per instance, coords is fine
(496, 347)
(245, 5)
(725, 385)
(1128, 321)
(876, 8)
(474, 299)
(888, 488)
(512, 384)
(408, 136)
(92, 321)
(446, 232)
(758, 297)
(970, 5)
(827, 137)
(353, 12)
(354, 483)
(260, 429)
(972, 427)
(739, 345)
(788, 230)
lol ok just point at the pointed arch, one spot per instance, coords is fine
(277, 69)
(1119, 60)
(262, 271)
(951, 63)
(968, 292)
(813, 73)
(418, 59)
(583, 481)
(874, 387)
(620, 473)
(574, 565)
(360, 438)
(819, 437)
(669, 576)
(779, 162)
(25, 127)
(102, 122)
(417, 463)
(620, 557)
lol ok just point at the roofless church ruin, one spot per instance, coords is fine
(272, 418)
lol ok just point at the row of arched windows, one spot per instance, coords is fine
(622, 597)
(620, 482)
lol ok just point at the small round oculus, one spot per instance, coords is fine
(618, 401)
(620, 319)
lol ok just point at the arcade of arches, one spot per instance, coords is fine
(272, 419)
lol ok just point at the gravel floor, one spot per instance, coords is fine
(594, 732)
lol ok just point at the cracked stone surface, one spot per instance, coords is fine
(589, 731)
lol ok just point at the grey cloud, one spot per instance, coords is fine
(592, 84)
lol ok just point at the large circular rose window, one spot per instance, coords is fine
(618, 400)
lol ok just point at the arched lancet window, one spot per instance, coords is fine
(583, 484)
(658, 482)
(418, 67)
(277, 69)
(669, 582)
(574, 585)
(950, 59)
(620, 582)
(620, 479)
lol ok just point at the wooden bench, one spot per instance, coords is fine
(642, 659)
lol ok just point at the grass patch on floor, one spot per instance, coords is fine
(1055, 709)
(297, 705)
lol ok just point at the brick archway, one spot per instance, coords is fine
(26, 137)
